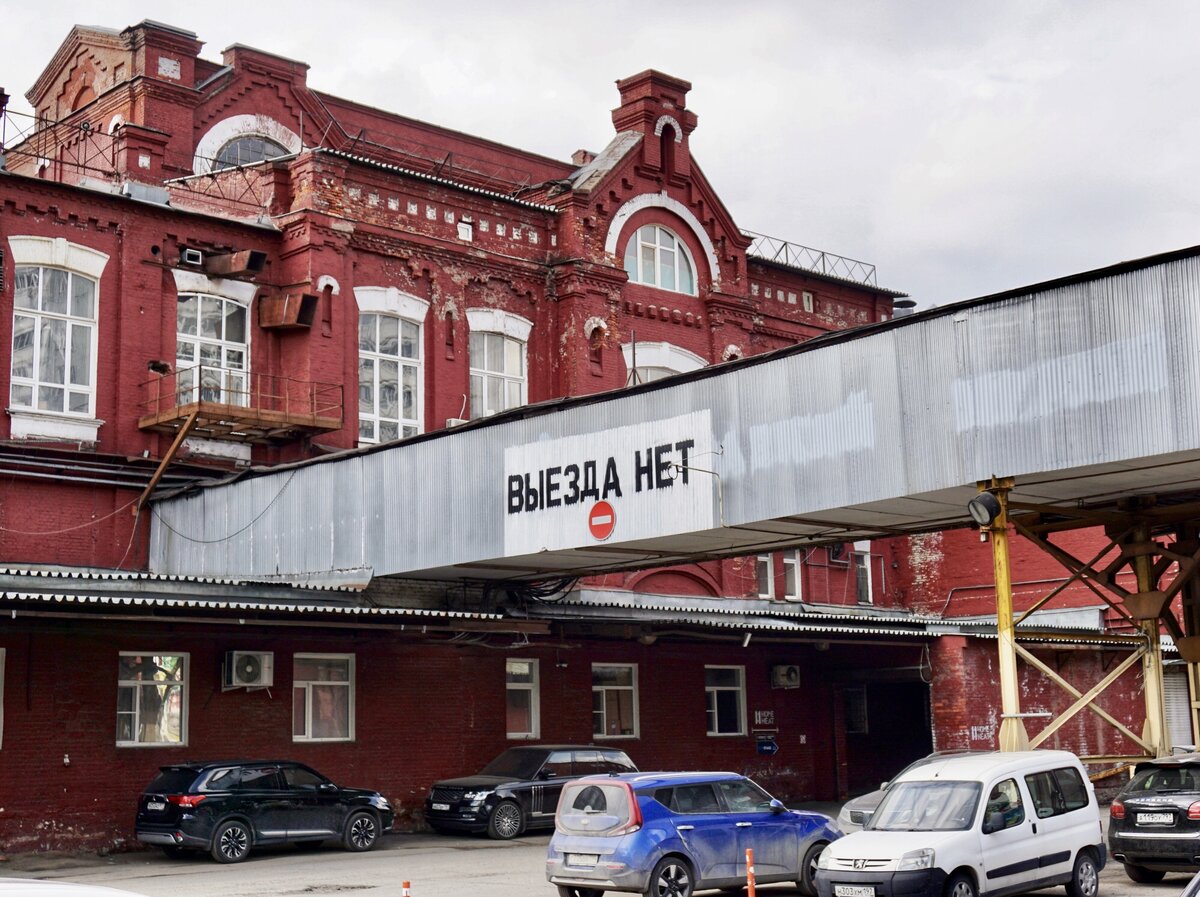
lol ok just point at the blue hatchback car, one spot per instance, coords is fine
(667, 834)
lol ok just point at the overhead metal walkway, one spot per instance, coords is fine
(1070, 403)
(1080, 390)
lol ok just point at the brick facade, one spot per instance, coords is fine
(372, 201)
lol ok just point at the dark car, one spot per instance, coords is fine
(857, 812)
(228, 807)
(1154, 823)
(667, 834)
(518, 790)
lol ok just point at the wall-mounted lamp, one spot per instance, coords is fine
(984, 508)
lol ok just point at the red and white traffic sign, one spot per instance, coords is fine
(602, 520)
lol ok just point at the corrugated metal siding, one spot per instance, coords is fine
(1089, 373)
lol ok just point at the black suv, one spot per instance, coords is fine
(1154, 823)
(230, 806)
(518, 790)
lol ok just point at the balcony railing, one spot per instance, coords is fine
(238, 405)
(773, 249)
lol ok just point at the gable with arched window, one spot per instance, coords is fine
(657, 257)
(391, 342)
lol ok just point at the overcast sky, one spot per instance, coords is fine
(963, 148)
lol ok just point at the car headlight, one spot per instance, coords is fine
(476, 797)
(916, 859)
(825, 860)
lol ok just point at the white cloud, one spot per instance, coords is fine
(962, 147)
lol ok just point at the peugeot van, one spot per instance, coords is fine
(975, 825)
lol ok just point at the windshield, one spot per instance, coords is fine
(927, 807)
(516, 763)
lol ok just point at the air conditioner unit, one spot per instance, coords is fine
(455, 421)
(785, 676)
(191, 256)
(249, 669)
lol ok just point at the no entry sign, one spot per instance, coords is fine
(601, 520)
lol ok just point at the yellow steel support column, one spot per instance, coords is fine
(1154, 734)
(1012, 727)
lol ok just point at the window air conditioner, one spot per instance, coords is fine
(249, 669)
(785, 676)
(455, 421)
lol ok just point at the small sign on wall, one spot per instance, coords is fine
(764, 718)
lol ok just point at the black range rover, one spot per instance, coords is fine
(518, 790)
(228, 807)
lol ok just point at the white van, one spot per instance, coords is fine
(975, 825)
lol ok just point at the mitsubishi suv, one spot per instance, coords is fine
(228, 807)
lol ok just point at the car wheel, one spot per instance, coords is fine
(1085, 877)
(1142, 875)
(808, 869)
(231, 842)
(505, 821)
(960, 885)
(361, 832)
(672, 877)
(571, 891)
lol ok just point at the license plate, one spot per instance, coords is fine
(440, 806)
(853, 891)
(1155, 818)
(582, 859)
(155, 805)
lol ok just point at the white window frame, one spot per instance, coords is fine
(795, 560)
(656, 360)
(632, 689)
(184, 705)
(389, 301)
(861, 561)
(710, 693)
(405, 426)
(76, 260)
(510, 327)
(648, 237)
(307, 684)
(245, 125)
(533, 687)
(235, 382)
(769, 561)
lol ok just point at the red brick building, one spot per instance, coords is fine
(202, 263)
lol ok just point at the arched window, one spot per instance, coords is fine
(54, 332)
(212, 354)
(499, 376)
(246, 150)
(389, 369)
(391, 358)
(646, 362)
(655, 256)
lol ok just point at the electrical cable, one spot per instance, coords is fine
(236, 532)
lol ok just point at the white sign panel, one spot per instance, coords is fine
(620, 485)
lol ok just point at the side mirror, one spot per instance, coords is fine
(327, 787)
(994, 822)
(546, 774)
(777, 806)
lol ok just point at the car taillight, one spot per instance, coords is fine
(1194, 810)
(1117, 810)
(186, 800)
(635, 815)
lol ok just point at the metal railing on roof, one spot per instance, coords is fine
(773, 249)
